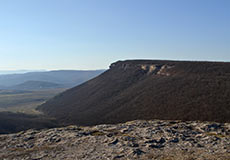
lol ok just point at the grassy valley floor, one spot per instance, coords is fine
(25, 101)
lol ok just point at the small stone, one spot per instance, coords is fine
(28, 138)
(199, 145)
(151, 141)
(175, 140)
(109, 135)
(128, 138)
(175, 127)
(161, 141)
(118, 156)
(214, 126)
(114, 142)
(134, 145)
(138, 152)
(58, 140)
(156, 146)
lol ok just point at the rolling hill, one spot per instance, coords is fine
(67, 78)
(147, 89)
(24, 92)
(36, 85)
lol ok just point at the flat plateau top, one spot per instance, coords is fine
(174, 140)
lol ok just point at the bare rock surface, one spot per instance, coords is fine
(156, 139)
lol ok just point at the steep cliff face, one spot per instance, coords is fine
(145, 89)
(148, 68)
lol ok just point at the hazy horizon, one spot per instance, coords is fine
(66, 69)
(90, 35)
(8, 72)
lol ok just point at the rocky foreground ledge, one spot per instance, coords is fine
(162, 140)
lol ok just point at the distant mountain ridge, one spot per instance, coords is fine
(67, 78)
(6, 72)
(147, 89)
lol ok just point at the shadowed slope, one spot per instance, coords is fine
(15, 122)
(145, 89)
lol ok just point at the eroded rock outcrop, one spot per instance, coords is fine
(171, 140)
(149, 69)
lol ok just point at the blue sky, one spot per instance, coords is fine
(91, 34)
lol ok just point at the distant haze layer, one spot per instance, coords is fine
(67, 78)
(4, 72)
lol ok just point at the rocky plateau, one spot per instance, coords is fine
(139, 139)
